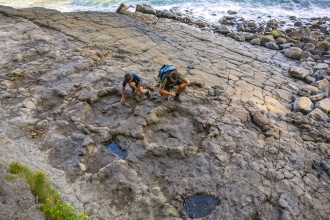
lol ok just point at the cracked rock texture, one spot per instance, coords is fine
(234, 137)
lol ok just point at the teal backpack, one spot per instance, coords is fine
(164, 72)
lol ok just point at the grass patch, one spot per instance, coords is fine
(53, 204)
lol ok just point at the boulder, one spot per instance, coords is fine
(252, 24)
(324, 105)
(224, 29)
(293, 52)
(321, 66)
(146, 9)
(305, 54)
(267, 38)
(255, 41)
(271, 45)
(322, 85)
(318, 115)
(281, 40)
(307, 90)
(298, 72)
(309, 46)
(303, 105)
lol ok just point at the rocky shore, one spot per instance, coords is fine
(250, 141)
(297, 38)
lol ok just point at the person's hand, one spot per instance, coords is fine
(122, 100)
(177, 88)
(172, 94)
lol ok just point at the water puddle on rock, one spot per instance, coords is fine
(199, 206)
(116, 149)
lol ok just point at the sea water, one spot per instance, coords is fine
(210, 10)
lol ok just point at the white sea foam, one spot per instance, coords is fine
(211, 10)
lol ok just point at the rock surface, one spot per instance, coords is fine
(234, 137)
(17, 202)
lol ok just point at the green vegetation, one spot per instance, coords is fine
(275, 33)
(52, 203)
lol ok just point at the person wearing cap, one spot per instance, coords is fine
(174, 81)
(135, 83)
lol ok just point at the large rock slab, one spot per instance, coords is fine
(234, 137)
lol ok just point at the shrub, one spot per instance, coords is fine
(52, 203)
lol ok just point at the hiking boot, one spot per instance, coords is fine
(148, 94)
(177, 99)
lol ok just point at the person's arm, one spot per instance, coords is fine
(185, 83)
(162, 91)
(122, 100)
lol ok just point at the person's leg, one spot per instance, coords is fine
(143, 91)
(140, 89)
(182, 88)
(178, 92)
(132, 85)
(165, 97)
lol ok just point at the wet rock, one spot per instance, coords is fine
(271, 45)
(252, 24)
(199, 206)
(324, 29)
(146, 9)
(223, 29)
(231, 12)
(202, 23)
(122, 9)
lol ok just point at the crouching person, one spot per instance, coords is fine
(135, 83)
(174, 81)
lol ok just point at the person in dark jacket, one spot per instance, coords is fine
(135, 83)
